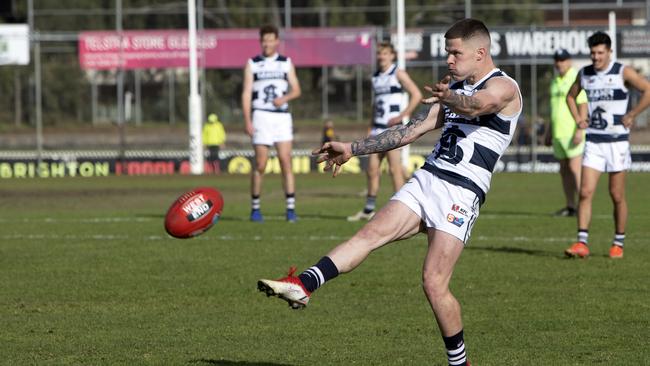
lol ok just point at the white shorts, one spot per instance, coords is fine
(440, 204)
(271, 127)
(607, 156)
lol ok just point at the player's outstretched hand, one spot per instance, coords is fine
(334, 154)
(439, 91)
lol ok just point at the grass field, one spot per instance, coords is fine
(89, 277)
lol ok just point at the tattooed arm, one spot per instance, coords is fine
(499, 96)
(337, 153)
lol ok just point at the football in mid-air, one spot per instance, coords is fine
(194, 212)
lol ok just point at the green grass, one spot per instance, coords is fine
(88, 277)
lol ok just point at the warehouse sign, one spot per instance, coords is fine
(14, 44)
(427, 45)
(227, 48)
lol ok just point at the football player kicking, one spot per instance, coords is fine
(478, 111)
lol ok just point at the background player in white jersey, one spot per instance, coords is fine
(270, 82)
(388, 85)
(607, 148)
(479, 112)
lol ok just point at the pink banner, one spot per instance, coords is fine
(228, 48)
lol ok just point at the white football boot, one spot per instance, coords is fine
(361, 216)
(289, 289)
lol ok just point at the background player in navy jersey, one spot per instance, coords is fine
(388, 85)
(270, 82)
(608, 129)
(443, 198)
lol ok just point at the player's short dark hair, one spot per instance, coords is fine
(269, 29)
(599, 38)
(388, 45)
(466, 29)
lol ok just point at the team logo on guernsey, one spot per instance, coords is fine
(379, 108)
(458, 221)
(269, 94)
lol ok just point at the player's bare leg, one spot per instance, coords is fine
(372, 175)
(617, 193)
(570, 173)
(442, 255)
(288, 181)
(257, 174)
(588, 184)
(394, 158)
(394, 221)
(444, 251)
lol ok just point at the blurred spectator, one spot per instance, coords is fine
(328, 131)
(214, 139)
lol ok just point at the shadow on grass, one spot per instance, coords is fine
(209, 361)
(515, 250)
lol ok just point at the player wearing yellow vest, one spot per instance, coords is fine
(214, 137)
(568, 141)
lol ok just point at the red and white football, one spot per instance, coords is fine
(194, 212)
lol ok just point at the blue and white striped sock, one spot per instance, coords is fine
(370, 204)
(291, 201)
(619, 239)
(255, 202)
(456, 353)
(316, 275)
(583, 236)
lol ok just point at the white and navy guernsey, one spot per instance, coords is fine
(270, 81)
(608, 99)
(389, 96)
(469, 148)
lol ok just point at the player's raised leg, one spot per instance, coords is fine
(261, 158)
(394, 221)
(442, 255)
(288, 181)
(617, 193)
(588, 184)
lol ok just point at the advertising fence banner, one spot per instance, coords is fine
(227, 48)
(241, 162)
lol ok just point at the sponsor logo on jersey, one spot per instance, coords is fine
(600, 94)
(458, 221)
(265, 75)
(197, 207)
(460, 210)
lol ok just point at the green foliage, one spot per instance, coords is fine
(90, 278)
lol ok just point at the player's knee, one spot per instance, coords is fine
(396, 170)
(434, 285)
(586, 193)
(617, 197)
(260, 168)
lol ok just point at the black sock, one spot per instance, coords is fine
(370, 204)
(456, 354)
(316, 275)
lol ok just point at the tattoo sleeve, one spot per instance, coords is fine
(462, 103)
(390, 139)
